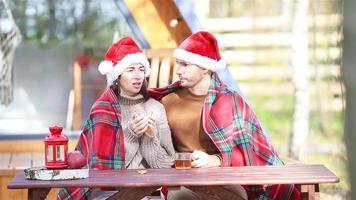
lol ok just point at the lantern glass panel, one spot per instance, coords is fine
(49, 153)
(60, 153)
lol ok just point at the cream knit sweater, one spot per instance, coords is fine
(143, 151)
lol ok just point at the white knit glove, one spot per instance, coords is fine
(204, 160)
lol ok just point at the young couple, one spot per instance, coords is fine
(130, 127)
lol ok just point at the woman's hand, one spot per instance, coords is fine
(139, 124)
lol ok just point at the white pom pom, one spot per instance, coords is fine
(221, 65)
(105, 67)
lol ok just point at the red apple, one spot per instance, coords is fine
(76, 160)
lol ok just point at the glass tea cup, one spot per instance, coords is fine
(183, 161)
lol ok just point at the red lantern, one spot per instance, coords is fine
(56, 149)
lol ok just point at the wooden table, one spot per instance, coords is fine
(307, 177)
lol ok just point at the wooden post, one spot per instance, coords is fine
(310, 192)
(37, 194)
(161, 67)
(164, 71)
(175, 76)
(77, 97)
(152, 83)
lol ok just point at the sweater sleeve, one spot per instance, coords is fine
(131, 145)
(158, 151)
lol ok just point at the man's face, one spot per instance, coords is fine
(189, 74)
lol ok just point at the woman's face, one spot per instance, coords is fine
(131, 79)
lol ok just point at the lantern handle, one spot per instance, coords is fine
(56, 130)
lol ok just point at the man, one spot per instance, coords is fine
(215, 123)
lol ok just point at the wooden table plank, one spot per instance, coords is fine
(262, 175)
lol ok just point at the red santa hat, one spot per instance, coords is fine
(120, 56)
(201, 49)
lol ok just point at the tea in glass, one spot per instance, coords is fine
(183, 161)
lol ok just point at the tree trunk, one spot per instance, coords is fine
(349, 79)
(52, 23)
(300, 64)
(315, 64)
(10, 38)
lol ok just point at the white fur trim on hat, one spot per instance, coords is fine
(196, 59)
(124, 63)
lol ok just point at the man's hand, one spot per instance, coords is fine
(204, 160)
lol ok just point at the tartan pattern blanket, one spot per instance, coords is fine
(101, 141)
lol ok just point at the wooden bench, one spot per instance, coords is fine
(306, 177)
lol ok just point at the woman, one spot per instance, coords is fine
(125, 128)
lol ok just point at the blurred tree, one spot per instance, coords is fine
(317, 77)
(300, 65)
(52, 22)
(84, 22)
(21, 11)
(10, 37)
(349, 79)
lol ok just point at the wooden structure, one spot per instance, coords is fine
(160, 22)
(163, 67)
(306, 177)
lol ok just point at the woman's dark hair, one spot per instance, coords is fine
(116, 88)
